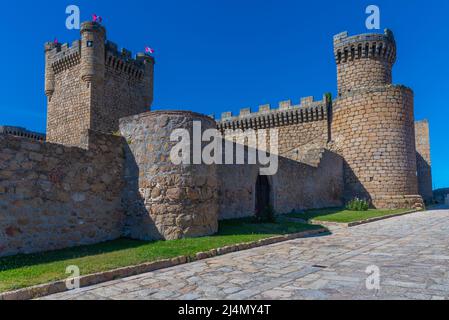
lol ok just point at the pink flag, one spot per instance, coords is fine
(149, 50)
(56, 41)
(96, 18)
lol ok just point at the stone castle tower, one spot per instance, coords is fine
(91, 85)
(373, 122)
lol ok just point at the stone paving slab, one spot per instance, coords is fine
(410, 251)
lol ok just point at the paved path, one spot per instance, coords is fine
(411, 252)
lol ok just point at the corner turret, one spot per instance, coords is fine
(148, 64)
(49, 73)
(93, 37)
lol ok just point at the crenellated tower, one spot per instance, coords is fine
(373, 123)
(91, 85)
(364, 60)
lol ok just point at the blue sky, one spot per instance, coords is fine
(224, 55)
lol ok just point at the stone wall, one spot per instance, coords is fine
(296, 140)
(315, 185)
(164, 200)
(54, 197)
(308, 176)
(423, 160)
(296, 186)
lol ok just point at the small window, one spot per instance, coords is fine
(90, 44)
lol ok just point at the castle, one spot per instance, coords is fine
(105, 170)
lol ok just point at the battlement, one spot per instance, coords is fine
(63, 56)
(287, 113)
(58, 50)
(91, 26)
(364, 46)
(22, 132)
(112, 49)
(123, 61)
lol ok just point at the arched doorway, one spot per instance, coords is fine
(262, 194)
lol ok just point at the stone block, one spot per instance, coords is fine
(285, 105)
(265, 108)
(245, 112)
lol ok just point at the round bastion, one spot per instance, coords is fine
(165, 200)
(373, 123)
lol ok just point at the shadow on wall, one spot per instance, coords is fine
(138, 221)
(165, 199)
(424, 179)
(54, 197)
(440, 195)
(159, 202)
(438, 207)
(354, 188)
(295, 186)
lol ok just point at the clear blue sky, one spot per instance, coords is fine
(220, 55)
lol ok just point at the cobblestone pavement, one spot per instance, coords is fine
(412, 253)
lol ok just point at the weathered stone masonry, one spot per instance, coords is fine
(293, 188)
(423, 160)
(164, 200)
(105, 170)
(370, 124)
(53, 197)
(306, 168)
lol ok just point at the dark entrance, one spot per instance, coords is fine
(262, 194)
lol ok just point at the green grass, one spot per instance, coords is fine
(343, 215)
(27, 270)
